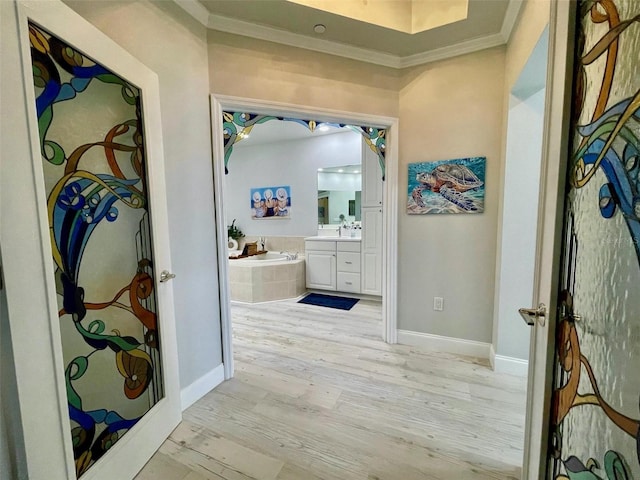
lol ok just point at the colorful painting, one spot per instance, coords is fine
(271, 202)
(595, 422)
(93, 158)
(447, 186)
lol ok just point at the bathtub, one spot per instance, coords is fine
(270, 257)
(266, 277)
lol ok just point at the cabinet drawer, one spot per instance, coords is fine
(348, 282)
(320, 245)
(349, 262)
(352, 246)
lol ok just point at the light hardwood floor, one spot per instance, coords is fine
(318, 395)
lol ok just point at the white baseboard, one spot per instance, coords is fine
(438, 343)
(508, 365)
(198, 389)
(492, 357)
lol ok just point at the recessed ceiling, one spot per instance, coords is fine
(408, 16)
(488, 23)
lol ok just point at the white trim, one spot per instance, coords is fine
(200, 387)
(390, 219)
(438, 343)
(450, 51)
(221, 233)
(195, 9)
(492, 357)
(555, 158)
(276, 35)
(510, 17)
(508, 365)
(284, 37)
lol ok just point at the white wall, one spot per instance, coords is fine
(517, 246)
(294, 163)
(163, 37)
(519, 223)
(526, 34)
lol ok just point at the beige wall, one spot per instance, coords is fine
(250, 68)
(450, 109)
(163, 37)
(447, 109)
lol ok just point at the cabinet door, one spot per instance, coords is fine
(371, 265)
(371, 178)
(321, 270)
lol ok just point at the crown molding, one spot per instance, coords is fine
(195, 9)
(451, 51)
(510, 18)
(270, 34)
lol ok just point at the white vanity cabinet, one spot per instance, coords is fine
(321, 264)
(333, 264)
(348, 268)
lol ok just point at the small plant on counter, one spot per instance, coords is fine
(233, 231)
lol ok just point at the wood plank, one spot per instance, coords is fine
(318, 396)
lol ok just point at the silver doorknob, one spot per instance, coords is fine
(165, 276)
(530, 315)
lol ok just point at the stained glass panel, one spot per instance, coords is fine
(91, 138)
(595, 417)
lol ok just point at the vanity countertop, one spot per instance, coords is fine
(334, 239)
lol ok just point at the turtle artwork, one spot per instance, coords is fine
(450, 186)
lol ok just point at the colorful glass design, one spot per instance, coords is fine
(238, 125)
(92, 145)
(595, 431)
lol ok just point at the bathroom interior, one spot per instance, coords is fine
(328, 238)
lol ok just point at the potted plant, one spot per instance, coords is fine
(234, 232)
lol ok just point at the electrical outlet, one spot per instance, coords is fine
(438, 304)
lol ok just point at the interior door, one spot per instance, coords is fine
(595, 419)
(99, 168)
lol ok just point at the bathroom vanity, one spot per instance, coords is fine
(335, 263)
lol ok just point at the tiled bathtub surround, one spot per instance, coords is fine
(252, 282)
(278, 244)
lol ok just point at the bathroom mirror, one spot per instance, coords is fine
(339, 194)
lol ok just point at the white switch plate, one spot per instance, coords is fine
(438, 304)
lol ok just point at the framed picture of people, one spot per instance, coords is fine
(271, 202)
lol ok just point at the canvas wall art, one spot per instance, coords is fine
(446, 186)
(271, 202)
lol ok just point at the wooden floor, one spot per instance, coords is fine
(318, 395)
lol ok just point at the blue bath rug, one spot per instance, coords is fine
(331, 301)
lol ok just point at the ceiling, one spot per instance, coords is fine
(488, 24)
(281, 131)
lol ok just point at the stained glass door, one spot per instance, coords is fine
(115, 317)
(595, 416)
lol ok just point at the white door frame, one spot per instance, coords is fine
(549, 239)
(390, 202)
(29, 273)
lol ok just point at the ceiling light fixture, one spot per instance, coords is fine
(319, 28)
(340, 171)
(323, 128)
(320, 169)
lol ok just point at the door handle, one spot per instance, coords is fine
(530, 315)
(165, 276)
